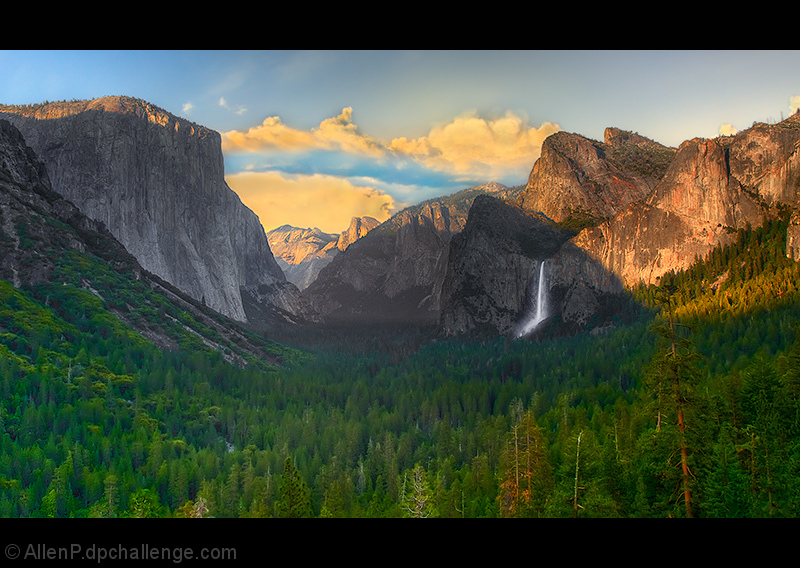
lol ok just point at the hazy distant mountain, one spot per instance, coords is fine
(302, 253)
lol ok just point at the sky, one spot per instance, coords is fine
(313, 138)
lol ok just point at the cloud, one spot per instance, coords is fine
(324, 176)
(240, 110)
(794, 102)
(468, 146)
(322, 201)
(727, 130)
(479, 147)
(338, 133)
(188, 107)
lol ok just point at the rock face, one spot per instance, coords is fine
(27, 207)
(711, 189)
(492, 279)
(302, 253)
(157, 183)
(650, 209)
(579, 179)
(39, 229)
(793, 236)
(765, 159)
(395, 272)
(359, 226)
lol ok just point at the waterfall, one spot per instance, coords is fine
(539, 311)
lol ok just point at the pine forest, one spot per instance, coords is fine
(688, 407)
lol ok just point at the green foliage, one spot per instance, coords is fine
(295, 497)
(96, 421)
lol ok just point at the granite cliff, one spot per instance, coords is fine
(43, 236)
(712, 188)
(577, 180)
(156, 182)
(493, 275)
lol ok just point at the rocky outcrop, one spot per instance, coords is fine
(302, 253)
(711, 189)
(577, 180)
(493, 272)
(359, 226)
(157, 183)
(395, 272)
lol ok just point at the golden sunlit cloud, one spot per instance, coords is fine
(468, 146)
(337, 133)
(727, 130)
(325, 202)
(794, 103)
(476, 146)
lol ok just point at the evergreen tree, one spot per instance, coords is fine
(417, 499)
(672, 377)
(295, 496)
(527, 476)
(144, 504)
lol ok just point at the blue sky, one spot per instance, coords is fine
(312, 138)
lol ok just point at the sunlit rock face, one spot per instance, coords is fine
(157, 182)
(712, 188)
(766, 160)
(578, 177)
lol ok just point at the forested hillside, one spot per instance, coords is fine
(648, 419)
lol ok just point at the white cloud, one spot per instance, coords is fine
(240, 110)
(727, 130)
(794, 102)
(188, 107)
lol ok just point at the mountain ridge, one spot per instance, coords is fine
(395, 271)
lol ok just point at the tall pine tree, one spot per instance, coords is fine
(672, 377)
(295, 496)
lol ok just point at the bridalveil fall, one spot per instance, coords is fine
(538, 311)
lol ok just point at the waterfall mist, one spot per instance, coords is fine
(538, 311)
